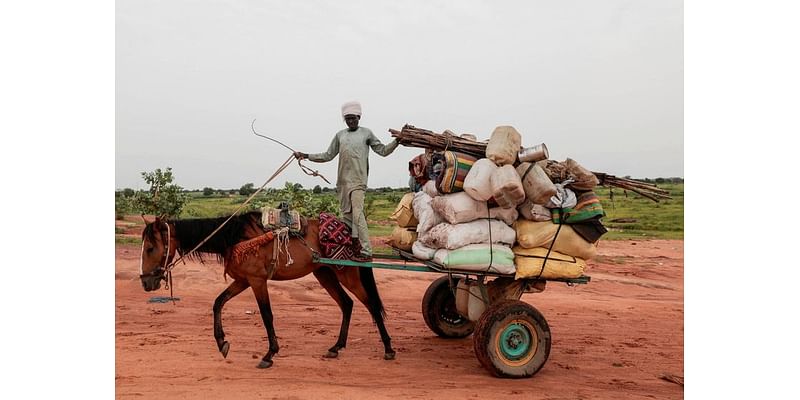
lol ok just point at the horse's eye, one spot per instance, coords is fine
(150, 250)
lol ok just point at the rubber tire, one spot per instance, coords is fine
(439, 299)
(497, 318)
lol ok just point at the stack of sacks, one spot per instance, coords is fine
(464, 213)
(405, 233)
(559, 201)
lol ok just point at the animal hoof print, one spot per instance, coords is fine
(224, 350)
(264, 364)
(389, 356)
(331, 354)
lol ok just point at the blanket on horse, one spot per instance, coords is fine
(334, 238)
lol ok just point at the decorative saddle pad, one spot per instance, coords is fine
(334, 238)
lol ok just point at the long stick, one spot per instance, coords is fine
(267, 137)
(307, 170)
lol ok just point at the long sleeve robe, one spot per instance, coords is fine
(353, 151)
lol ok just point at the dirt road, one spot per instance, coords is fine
(611, 339)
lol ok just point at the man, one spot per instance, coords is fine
(352, 146)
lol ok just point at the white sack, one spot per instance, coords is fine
(448, 236)
(424, 213)
(460, 207)
(421, 251)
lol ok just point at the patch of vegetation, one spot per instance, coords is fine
(649, 220)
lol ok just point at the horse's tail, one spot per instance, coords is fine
(368, 281)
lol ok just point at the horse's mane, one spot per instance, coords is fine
(190, 232)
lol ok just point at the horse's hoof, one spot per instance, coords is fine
(331, 354)
(389, 356)
(264, 364)
(224, 350)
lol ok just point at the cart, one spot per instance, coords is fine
(511, 338)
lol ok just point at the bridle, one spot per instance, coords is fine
(159, 272)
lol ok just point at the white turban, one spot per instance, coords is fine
(351, 107)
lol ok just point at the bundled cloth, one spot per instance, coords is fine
(447, 236)
(454, 167)
(541, 234)
(478, 257)
(587, 207)
(419, 168)
(537, 263)
(459, 207)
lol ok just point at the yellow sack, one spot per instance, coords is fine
(403, 238)
(404, 213)
(532, 234)
(529, 264)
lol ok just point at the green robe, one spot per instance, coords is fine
(353, 151)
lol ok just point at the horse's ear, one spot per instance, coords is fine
(145, 220)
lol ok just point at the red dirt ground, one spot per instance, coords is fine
(611, 339)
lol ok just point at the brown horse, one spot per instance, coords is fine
(162, 239)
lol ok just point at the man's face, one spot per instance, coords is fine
(351, 121)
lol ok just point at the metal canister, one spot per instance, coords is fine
(533, 154)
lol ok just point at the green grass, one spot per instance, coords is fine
(119, 239)
(662, 220)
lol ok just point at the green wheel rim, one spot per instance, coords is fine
(515, 341)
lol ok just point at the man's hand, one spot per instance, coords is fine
(300, 156)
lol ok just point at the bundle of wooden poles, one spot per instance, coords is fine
(416, 137)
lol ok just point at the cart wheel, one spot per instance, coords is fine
(512, 339)
(439, 311)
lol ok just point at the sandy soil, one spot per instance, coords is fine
(612, 338)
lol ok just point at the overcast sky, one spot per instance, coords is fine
(597, 81)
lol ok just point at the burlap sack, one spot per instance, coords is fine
(404, 213)
(584, 179)
(403, 238)
(529, 264)
(540, 234)
(504, 145)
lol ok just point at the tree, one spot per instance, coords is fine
(128, 192)
(207, 191)
(163, 198)
(317, 189)
(247, 189)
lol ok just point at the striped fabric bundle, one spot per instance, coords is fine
(588, 207)
(455, 167)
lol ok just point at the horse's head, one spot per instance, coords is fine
(158, 249)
